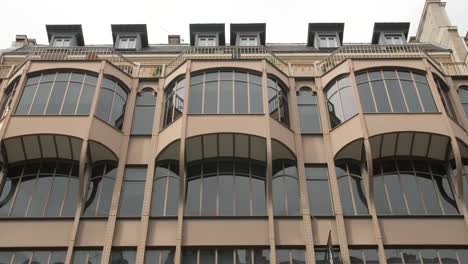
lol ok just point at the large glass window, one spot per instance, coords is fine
(226, 187)
(341, 103)
(443, 89)
(42, 256)
(143, 116)
(111, 103)
(5, 104)
(278, 101)
(159, 256)
(363, 256)
(174, 101)
(290, 256)
(351, 186)
(463, 93)
(57, 93)
(285, 188)
(40, 189)
(123, 256)
(100, 190)
(326, 256)
(309, 116)
(465, 182)
(87, 256)
(398, 91)
(226, 92)
(318, 187)
(133, 189)
(165, 196)
(412, 187)
(226, 256)
(427, 255)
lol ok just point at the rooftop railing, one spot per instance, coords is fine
(227, 53)
(80, 54)
(366, 51)
(455, 68)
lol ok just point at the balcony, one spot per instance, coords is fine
(455, 68)
(227, 53)
(6, 70)
(74, 54)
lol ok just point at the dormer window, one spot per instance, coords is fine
(248, 40)
(394, 38)
(127, 42)
(207, 40)
(327, 40)
(62, 42)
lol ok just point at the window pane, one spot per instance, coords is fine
(448, 256)
(282, 256)
(395, 193)
(118, 110)
(192, 206)
(6, 196)
(26, 99)
(71, 199)
(5, 257)
(143, 120)
(242, 196)
(209, 196)
(292, 186)
(258, 196)
(195, 99)
(349, 107)
(411, 96)
(319, 198)
(256, 100)
(211, 97)
(356, 256)
(189, 256)
(366, 98)
(131, 200)
(381, 98)
(345, 195)
(381, 203)
(241, 97)
(225, 97)
(56, 98)
(41, 191)
(426, 97)
(71, 99)
(226, 194)
(396, 96)
(309, 118)
(86, 98)
(298, 256)
(225, 256)
(23, 195)
(22, 257)
(279, 196)
(412, 194)
(393, 256)
(429, 256)
(40, 257)
(124, 257)
(261, 256)
(40, 99)
(429, 194)
(446, 195)
(207, 256)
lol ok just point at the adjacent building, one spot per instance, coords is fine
(231, 150)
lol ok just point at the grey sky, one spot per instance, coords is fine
(286, 20)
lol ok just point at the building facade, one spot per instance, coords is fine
(247, 152)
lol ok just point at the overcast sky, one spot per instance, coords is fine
(286, 20)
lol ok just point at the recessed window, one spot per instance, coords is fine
(207, 40)
(394, 39)
(127, 43)
(248, 40)
(309, 116)
(290, 256)
(426, 255)
(327, 41)
(62, 42)
(463, 93)
(127, 256)
(89, 256)
(143, 116)
(226, 255)
(39, 255)
(318, 187)
(364, 256)
(351, 186)
(100, 190)
(131, 198)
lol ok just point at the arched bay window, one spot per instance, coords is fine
(341, 103)
(111, 104)
(443, 89)
(40, 188)
(144, 112)
(278, 100)
(229, 179)
(226, 92)
(174, 101)
(463, 93)
(309, 116)
(57, 93)
(390, 90)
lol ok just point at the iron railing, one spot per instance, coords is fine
(227, 53)
(365, 51)
(151, 71)
(455, 68)
(80, 54)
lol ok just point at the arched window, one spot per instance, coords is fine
(463, 93)
(443, 89)
(111, 103)
(226, 187)
(351, 186)
(165, 197)
(40, 189)
(412, 187)
(278, 101)
(226, 92)
(391, 90)
(144, 112)
(341, 104)
(100, 189)
(285, 188)
(308, 111)
(174, 101)
(57, 93)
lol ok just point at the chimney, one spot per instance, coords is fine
(174, 39)
(23, 40)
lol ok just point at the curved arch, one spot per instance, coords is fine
(65, 69)
(241, 69)
(99, 152)
(281, 151)
(387, 67)
(170, 152)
